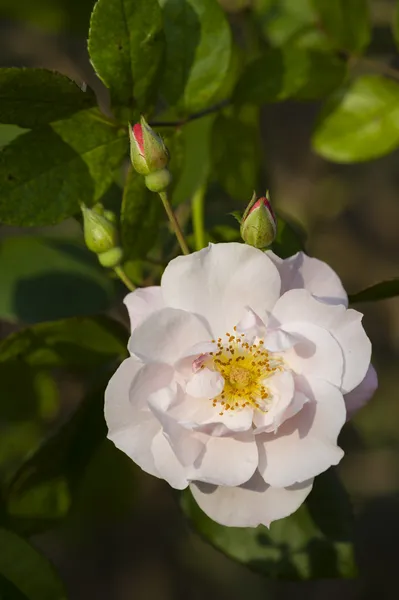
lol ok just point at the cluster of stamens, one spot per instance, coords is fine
(244, 367)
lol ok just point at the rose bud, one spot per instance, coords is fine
(148, 153)
(259, 225)
(101, 234)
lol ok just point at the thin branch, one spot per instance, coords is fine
(354, 59)
(378, 66)
(198, 115)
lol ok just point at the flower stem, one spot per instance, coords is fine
(198, 217)
(193, 117)
(123, 277)
(173, 221)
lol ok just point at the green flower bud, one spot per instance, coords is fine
(111, 258)
(148, 153)
(99, 232)
(259, 225)
(158, 181)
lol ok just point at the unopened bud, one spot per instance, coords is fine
(101, 234)
(259, 225)
(148, 153)
(158, 181)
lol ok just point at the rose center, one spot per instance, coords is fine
(245, 367)
(240, 377)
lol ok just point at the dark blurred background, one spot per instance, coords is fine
(132, 542)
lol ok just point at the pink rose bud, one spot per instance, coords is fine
(147, 150)
(259, 224)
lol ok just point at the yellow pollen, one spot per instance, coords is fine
(240, 377)
(244, 368)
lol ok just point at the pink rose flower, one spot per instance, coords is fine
(243, 369)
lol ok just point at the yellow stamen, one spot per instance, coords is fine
(244, 368)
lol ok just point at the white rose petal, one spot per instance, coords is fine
(218, 282)
(254, 503)
(302, 271)
(142, 302)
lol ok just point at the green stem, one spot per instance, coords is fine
(193, 117)
(174, 223)
(123, 277)
(198, 217)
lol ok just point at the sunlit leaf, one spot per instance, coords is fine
(198, 50)
(359, 122)
(126, 47)
(8, 133)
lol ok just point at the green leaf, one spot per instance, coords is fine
(45, 173)
(330, 508)
(196, 139)
(126, 46)
(38, 508)
(17, 438)
(100, 500)
(81, 343)
(64, 454)
(225, 233)
(29, 399)
(32, 97)
(46, 279)
(236, 151)
(22, 392)
(237, 59)
(290, 72)
(290, 21)
(24, 569)
(347, 23)
(39, 476)
(198, 49)
(379, 291)
(359, 122)
(8, 133)
(289, 239)
(310, 544)
(140, 217)
(174, 140)
(23, 426)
